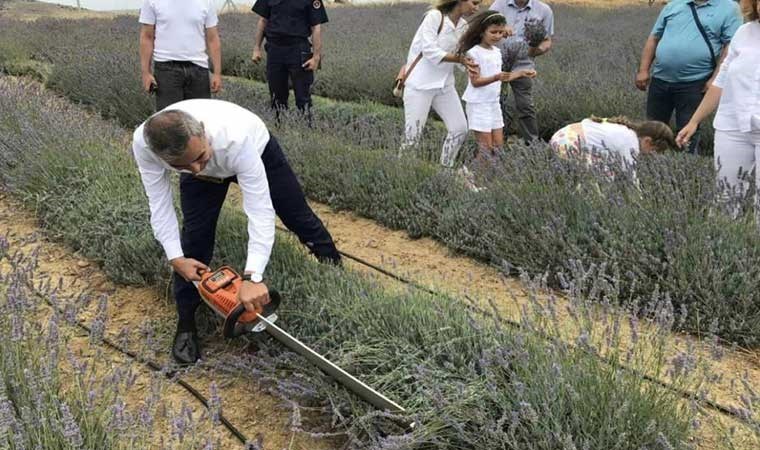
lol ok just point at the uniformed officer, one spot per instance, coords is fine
(288, 25)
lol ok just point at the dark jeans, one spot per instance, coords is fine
(524, 109)
(180, 80)
(664, 97)
(284, 65)
(202, 201)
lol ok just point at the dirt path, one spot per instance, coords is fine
(244, 403)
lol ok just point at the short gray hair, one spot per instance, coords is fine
(168, 132)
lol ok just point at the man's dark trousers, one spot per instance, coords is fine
(664, 97)
(524, 109)
(285, 62)
(202, 201)
(180, 80)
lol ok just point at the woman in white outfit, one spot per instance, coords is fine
(431, 82)
(736, 94)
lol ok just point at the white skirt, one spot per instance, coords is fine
(484, 117)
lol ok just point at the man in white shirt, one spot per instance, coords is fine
(213, 143)
(175, 35)
(535, 13)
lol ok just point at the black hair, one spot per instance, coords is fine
(478, 26)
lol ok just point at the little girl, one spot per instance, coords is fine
(484, 116)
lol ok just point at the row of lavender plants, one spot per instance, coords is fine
(53, 398)
(469, 382)
(668, 236)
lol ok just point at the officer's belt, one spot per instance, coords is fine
(287, 41)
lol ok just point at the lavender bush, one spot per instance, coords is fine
(54, 400)
(469, 382)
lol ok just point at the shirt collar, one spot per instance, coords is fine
(705, 3)
(513, 4)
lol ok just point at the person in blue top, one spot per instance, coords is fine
(684, 64)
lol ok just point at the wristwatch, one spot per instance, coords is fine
(253, 277)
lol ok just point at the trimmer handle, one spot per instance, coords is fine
(233, 329)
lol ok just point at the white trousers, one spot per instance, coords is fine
(446, 103)
(736, 155)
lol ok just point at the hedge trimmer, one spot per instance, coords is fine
(219, 290)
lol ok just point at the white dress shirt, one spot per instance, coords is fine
(739, 77)
(431, 72)
(238, 138)
(180, 28)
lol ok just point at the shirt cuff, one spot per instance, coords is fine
(173, 250)
(256, 263)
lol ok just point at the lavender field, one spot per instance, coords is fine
(662, 254)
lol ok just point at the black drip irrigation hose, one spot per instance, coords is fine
(710, 404)
(170, 374)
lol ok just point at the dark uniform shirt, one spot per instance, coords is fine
(290, 20)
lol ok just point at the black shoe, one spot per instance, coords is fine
(186, 349)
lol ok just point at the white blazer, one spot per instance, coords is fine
(431, 72)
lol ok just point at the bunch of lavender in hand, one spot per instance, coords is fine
(512, 50)
(534, 32)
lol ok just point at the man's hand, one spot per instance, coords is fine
(188, 268)
(216, 82)
(642, 80)
(253, 296)
(147, 80)
(312, 64)
(256, 57)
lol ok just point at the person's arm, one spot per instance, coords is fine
(214, 45)
(163, 219)
(147, 38)
(542, 48)
(258, 40)
(316, 45)
(723, 55)
(261, 7)
(257, 204)
(708, 105)
(710, 101)
(645, 65)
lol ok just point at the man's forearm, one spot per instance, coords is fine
(146, 54)
(215, 54)
(316, 40)
(647, 55)
(259, 33)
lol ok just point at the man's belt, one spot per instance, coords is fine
(211, 179)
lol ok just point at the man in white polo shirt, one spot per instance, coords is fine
(175, 35)
(213, 143)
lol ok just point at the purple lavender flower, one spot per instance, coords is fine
(70, 427)
(215, 404)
